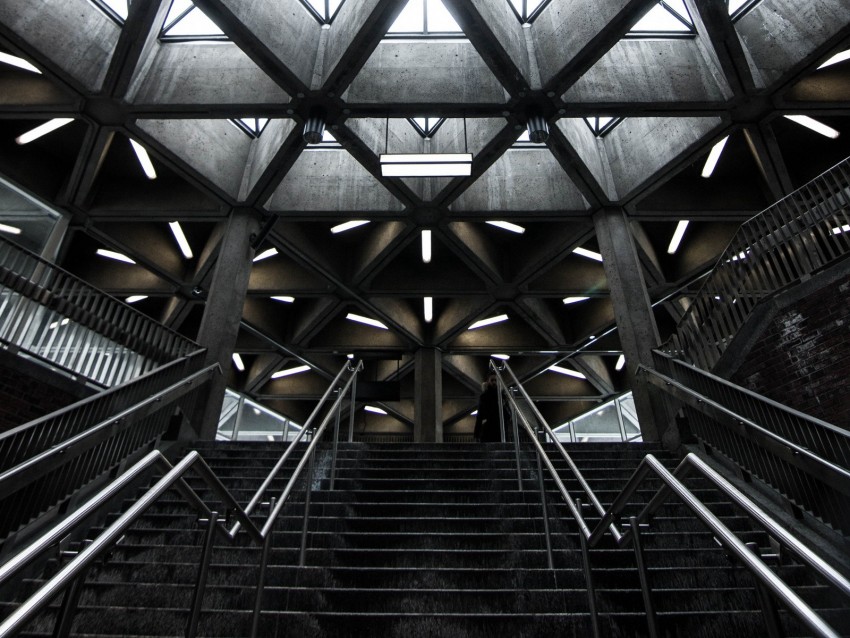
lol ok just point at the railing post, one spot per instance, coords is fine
(516, 447)
(62, 628)
(501, 415)
(336, 442)
(237, 424)
(285, 429)
(201, 582)
(302, 556)
(543, 505)
(351, 409)
(645, 590)
(261, 578)
(619, 411)
(588, 579)
(772, 623)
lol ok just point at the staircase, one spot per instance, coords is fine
(427, 540)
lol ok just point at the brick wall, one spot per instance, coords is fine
(802, 358)
(28, 391)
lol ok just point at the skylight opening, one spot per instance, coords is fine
(251, 126)
(426, 126)
(524, 141)
(669, 18)
(114, 9)
(328, 141)
(739, 8)
(528, 10)
(425, 18)
(323, 10)
(185, 22)
(601, 126)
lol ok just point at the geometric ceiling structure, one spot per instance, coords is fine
(636, 93)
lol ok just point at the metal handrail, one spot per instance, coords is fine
(673, 485)
(69, 577)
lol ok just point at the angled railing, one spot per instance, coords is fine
(71, 578)
(44, 461)
(805, 459)
(767, 581)
(796, 237)
(59, 318)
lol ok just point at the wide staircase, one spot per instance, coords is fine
(428, 540)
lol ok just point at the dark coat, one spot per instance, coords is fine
(487, 427)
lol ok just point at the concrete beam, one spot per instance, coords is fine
(271, 153)
(382, 243)
(764, 147)
(478, 251)
(539, 315)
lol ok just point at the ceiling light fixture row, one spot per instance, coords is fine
(425, 164)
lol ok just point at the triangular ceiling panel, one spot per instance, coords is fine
(496, 337)
(346, 335)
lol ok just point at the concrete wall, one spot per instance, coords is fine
(589, 149)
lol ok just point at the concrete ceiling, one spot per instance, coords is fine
(678, 97)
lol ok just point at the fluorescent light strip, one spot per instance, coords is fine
(835, 231)
(427, 165)
(237, 361)
(144, 159)
(567, 371)
(111, 254)
(372, 408)
(56, 324)
(269, 252)
(583, 252)
(426, 246)
(678, 234)
(713, 157)
(621, 362)
(12, 230)
(569, 300)
(488, 322)
(44, 129)
(835, 59)
(502, 357)
(290, 371)
(135, 298)
(14, 60)
(177, 231)
(428, 309)
(507, 226)
(354, 223)
(369, 322)
(283, 298)
(814, 125)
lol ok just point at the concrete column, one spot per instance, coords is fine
(223, 309)
(635, 320)
(428, 397)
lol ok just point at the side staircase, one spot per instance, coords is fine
(429, 540)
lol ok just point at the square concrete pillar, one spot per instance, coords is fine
(428, 396)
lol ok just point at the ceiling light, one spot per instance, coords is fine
(835, 59)
(621, 362)
(56, 324)
(835, 231)
(44, 129)
(569, 300)
(428, 308)
(14, 60)
(677, 236)
(474, 412)
(270, 252)
(12, 230)
(354, 223)
(567, 371)
(369, 322)
(237, 361)
(713, 157)
(290, 371)
(135, 298)
(372, 408)
(144, 159)
(502, 357)
(538, 129)
(426, 246)
(487, 322)
(814, 125)
(508, 226)
(588, 253)
(283, 298)
(177, 231)
(111, 254)
(426, 165)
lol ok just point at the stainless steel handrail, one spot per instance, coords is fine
(673, 485)
(77, 567)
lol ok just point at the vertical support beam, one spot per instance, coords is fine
(635, 321)
(223, 310)
(428, 396)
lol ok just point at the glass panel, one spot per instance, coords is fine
(734, 5)
(659, 20)
(195, 23)
(118, 6)
(440, 20)
(23, 220)
(599, 425)
(678, 7)
(411, 19)
(176, 10)
(227, 420)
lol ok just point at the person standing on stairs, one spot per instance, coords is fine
(487, 426)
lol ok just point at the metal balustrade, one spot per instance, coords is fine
(787, 243)
(60, 319)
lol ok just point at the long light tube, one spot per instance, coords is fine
(426, 246)
(621, 362)
(283, 298)
(426, 165)
(14, 60)
(290, 371)
(835, 59)
(269, 252)
(354, 223)
(514, 228)
(841, 229)
(567, 371)
(501, 357)
(814, 125)
(237, 361)
(180, 238)
(569, 300)
(374, 409)
(12, 230)
(428, 309)
(678, 234)
(144, 159)
(135, 298)
(44, 129)
(588, 253)
(366, 320)
(111, 254)
(488, 322)
(713, 157)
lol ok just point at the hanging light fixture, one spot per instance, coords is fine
(538, 128)
(314, 128)
(426, 164)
